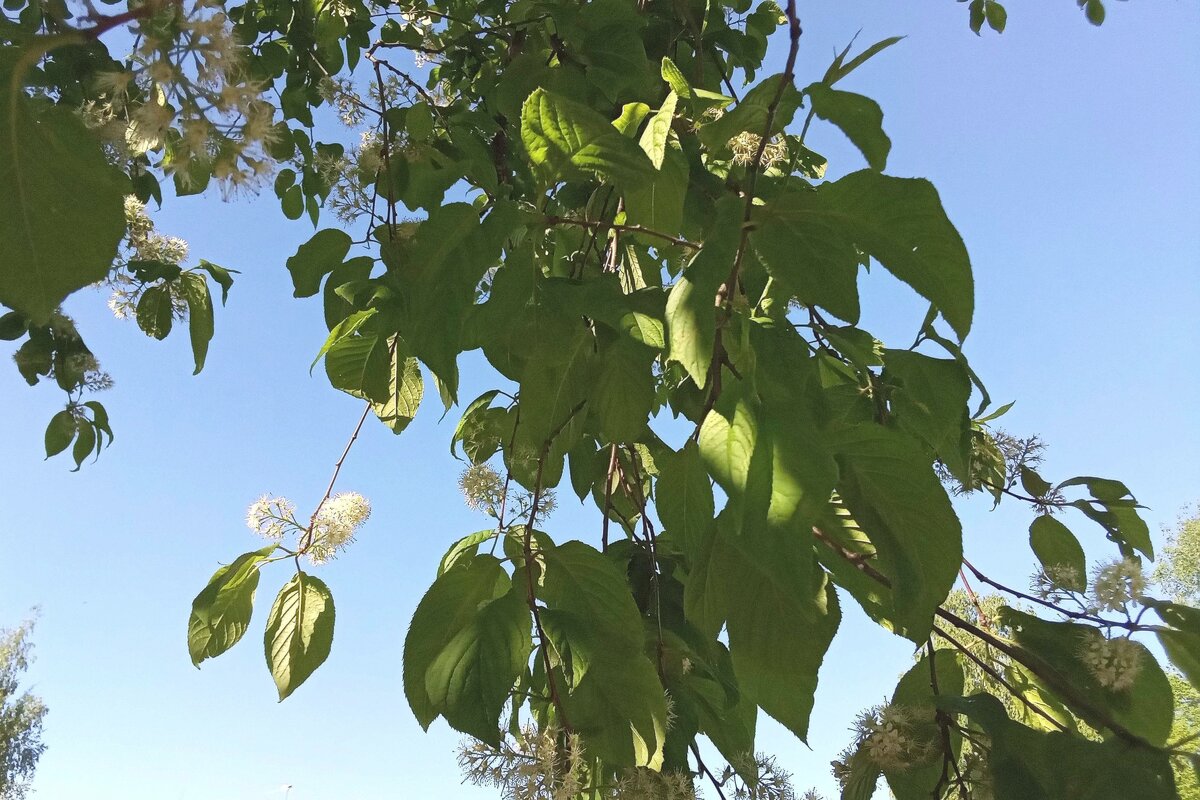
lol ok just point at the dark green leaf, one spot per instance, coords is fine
(155, 311)
(1025, 764)
(200, 315)
(898, 221)
(691, 318)
(860, 118)
(316, 258)
(890, 488)
(1144, 708)
(62, 208)
(684, 497)
(60, 432)
(623, 393)
(1056, 547)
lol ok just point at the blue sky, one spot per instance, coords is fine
(1068, 158)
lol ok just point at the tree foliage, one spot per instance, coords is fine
(666, 287)
(21, 715)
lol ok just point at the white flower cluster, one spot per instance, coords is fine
(646, 784)
(892, 737)
(272, 517)
(1057, 581)
(770, 781)
(537, 765)
(745, 145)
(146, 242)
(482, 487)
(1118, 583)
(187, 91)
(143, 243)
(332, 529)
(335, 524)
(1114, 663)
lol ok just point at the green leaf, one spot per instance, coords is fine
(1094, 11)
(778, 635)
(1055, 547)
(616, 701)
(978, 11)
(449, 607)
(316, 258)
(1032, 482)
(889, 486)
(620, 710)
(155, 311)
(930, 401)
(690, 316)
(750, 115)
(684, 497)
(840, 68)
(469, 681)
(589, 601)
(860, 118)
(1145, 708)
(221, 612)
(675, 79)
(360, 366)
(997, 16)
(223, 277)
(343, 330)
(60, 432)
(85, 444)
(658, 130)
(898, 221)
(200, 315)
(915, 692)
(1025, 764)
(299, 632)
(657, 202)
(562, 136)
(406, 387)
(464, 550)
(623, 394)
(62, 209)
(631, 118)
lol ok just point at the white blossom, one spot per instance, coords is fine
(1117, 583)
(271, 517)
(335, 524)
(1114, 663)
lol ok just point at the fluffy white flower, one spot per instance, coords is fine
(1114, 663)
(1117, 583)
(335, 524)
(271, 517)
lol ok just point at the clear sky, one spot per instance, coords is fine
(1067, 156)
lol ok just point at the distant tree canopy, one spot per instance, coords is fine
(611, 203)
(21, 715)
